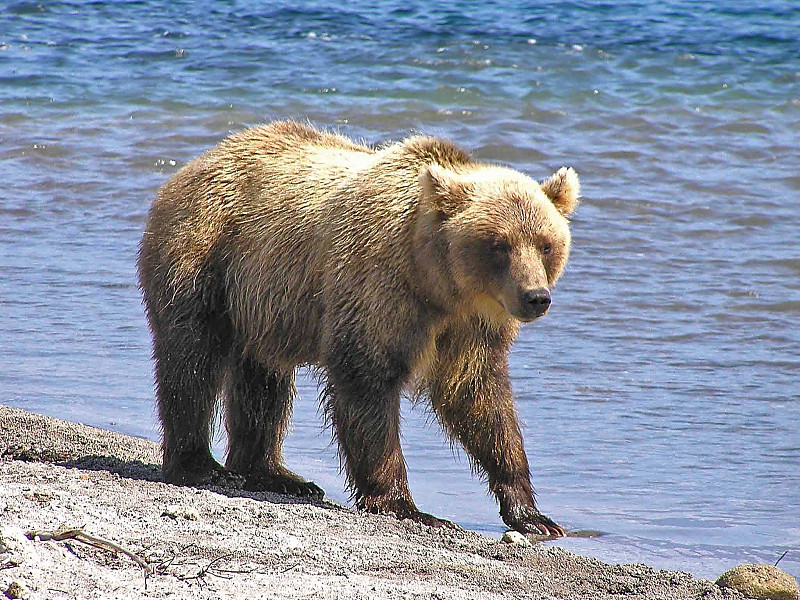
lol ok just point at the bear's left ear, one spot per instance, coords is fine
(444, 190)
(563, 189)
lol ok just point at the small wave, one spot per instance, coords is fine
(746, 127)
(27, 8)
(790, 307)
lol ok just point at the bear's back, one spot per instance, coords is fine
(292, 171)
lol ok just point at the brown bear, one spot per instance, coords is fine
(403, 269)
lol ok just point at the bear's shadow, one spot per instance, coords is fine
(142, 471)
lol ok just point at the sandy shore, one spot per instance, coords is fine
(207, 543)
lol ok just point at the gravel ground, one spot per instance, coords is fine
(213, 543)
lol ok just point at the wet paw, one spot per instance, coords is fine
(223, 478)
(526, 519)
(431, 521)
(402, 509)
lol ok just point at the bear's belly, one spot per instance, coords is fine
(282, 337)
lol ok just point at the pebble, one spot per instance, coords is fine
(515, 537)
(760, 581)
(17, 590)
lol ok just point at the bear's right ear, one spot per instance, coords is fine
(443, 189)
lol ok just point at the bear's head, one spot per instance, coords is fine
(506, 236)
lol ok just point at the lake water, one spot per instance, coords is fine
(660, 397)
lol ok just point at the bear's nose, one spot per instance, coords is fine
(536, 301)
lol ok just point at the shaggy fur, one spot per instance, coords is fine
(404, 268)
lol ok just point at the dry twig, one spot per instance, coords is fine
(81, 536)
(212, 569)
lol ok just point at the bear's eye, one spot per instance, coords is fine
(547, 249)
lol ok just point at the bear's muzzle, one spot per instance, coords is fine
(533, 303)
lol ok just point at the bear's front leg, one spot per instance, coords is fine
(471, 394)
(362, 398)
(257, 411)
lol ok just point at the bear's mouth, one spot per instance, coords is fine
(524, 316)
(528, 319)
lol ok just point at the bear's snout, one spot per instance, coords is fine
(534, 303)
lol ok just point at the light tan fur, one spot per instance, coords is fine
(411, 264)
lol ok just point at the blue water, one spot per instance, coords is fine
(660, 396)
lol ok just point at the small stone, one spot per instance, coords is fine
(515, 537)
(17, 590)
(760, 581)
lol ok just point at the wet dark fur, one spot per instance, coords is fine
(227, 225)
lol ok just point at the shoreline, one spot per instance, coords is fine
(212, 543)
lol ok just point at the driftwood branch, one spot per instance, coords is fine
(81, 536)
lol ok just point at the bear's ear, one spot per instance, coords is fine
(563, 189)
(443, 189)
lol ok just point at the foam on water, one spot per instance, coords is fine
(659, 398)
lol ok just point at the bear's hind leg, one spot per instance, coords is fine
(258, 409)
(188, 374)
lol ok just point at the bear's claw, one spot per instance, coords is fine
(402, 509)
(545, 526)
(431, 521)
(282, 484)
(527, 519)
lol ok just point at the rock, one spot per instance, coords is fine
(761, 581)
(17, 590)
(515, 537)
